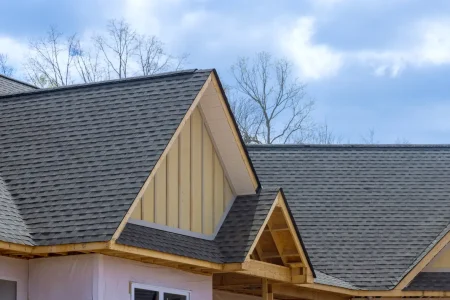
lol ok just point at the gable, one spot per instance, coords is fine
(190, 190)
(278, 243)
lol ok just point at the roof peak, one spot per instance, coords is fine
(106, 82)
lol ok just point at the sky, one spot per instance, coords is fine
(368, 64)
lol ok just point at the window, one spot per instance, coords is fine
(148, 292)
(8, 290)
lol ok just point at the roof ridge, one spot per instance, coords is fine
(347, 146)
(106, 82)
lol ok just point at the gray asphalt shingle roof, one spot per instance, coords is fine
(366, 213)
(11, 86)
(74, 158)
(12, 225)
(430, 281)
(232, 243)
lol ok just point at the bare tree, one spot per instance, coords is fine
(369, 138)
(5, 68)
(271, 105)
(322, 134)
(89, 64)
(118, 46)
(402, 141)
(50, 62)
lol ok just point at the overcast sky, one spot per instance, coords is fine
(381, 64)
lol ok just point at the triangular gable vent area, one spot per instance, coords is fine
(201, 172)
(275, 257)
(277, 243)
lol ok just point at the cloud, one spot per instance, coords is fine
(428, 45)
(15, 50)
(314, 61)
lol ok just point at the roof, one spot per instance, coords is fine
(366, 213)
(10, 85)
(430, 281)
(74, 158)
(12, 225)
(232, 243)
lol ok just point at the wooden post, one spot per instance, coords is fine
(267, 293)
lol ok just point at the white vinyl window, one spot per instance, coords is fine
(148, 292)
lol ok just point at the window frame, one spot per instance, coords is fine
(161, 290)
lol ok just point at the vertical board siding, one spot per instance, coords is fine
(196, 171)
(227, 193)
(218, 190)
(148, 207)
(172, 186)
(161, 194)
(208, 181)
(185, 176)
(190, 189)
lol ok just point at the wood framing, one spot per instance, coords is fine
(366, 293)
(265, 270)
(277, 243)
(242, 284)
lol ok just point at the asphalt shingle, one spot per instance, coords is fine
(366, 213)
(12, 226)
(430, 281)
(74, 158)
(13, 86)
(232, 243)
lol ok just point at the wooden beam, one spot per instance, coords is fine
(365, 293)
(267, 293)
(15, 247)
(298, 245)
(285, 290)
(266, 270)
(261, 230)
(87, 247)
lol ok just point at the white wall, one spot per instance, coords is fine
(118, 273)
(15, 270)
(65, 277)
(95, 277)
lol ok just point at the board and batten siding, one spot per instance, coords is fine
(190, 190)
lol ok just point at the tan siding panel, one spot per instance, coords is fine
(218, 190)
(137, 212)
(172, 186)
(227, 192)
(196, 171)
(208, 181)
(185, 177)
(160, 194)
(148, 208)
